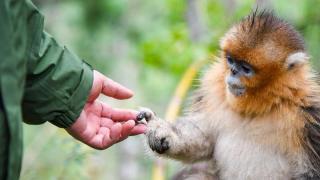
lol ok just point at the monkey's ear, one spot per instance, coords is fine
(296, 59)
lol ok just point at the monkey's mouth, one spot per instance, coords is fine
(236, 90)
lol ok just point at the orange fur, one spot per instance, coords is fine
(274, 95)
(265, 42)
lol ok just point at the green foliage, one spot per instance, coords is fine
(171, 51)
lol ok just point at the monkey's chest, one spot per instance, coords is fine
(239, 157)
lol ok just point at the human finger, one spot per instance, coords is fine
(115, 132)
(138, 129)
(106, 122)
(118, 114)
(126, 128)
(96, 141)
(113, 89)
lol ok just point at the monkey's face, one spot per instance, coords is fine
(263, 60)
(238, 69)
(254, 62)
(248, 70)
(252, 71)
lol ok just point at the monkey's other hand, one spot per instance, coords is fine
(159, 132)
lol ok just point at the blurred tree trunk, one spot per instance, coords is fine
(195, 24)
(263, 4)
(230, 6)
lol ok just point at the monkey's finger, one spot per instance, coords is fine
(145, 113)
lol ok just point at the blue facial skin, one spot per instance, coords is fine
(238, 69)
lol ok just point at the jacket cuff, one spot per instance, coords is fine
(77, 100)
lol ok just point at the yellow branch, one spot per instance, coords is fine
(174, 107)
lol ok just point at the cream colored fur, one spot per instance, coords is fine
(236, 148)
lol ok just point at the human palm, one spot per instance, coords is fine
(99, 125)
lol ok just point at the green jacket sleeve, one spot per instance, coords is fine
(58, 82)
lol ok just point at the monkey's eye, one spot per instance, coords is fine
(247, 69)
(230, 60)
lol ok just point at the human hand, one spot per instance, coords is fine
(99, 125)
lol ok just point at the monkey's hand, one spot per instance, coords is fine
(159, 132)
(183, 140)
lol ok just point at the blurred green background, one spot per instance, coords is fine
(145, 45)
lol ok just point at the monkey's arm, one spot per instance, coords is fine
(184, 140)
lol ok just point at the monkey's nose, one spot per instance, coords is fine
(234, 82)
(234, 71)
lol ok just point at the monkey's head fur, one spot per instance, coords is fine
(265, 65)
